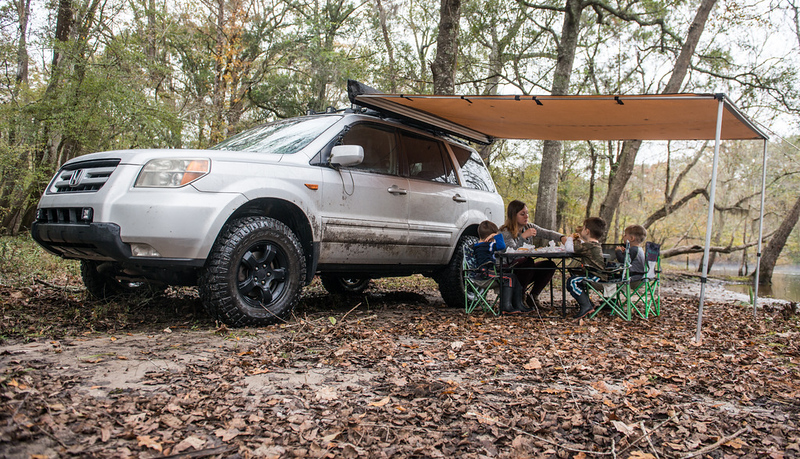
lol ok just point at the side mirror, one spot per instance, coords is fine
(346, 155)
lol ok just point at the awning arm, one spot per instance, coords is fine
(760, 229)
(710, 221)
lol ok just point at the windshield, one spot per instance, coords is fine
(280, 137)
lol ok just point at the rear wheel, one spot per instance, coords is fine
(344, 284)
(254, 273)
(450, 279)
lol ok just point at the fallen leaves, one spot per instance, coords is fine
(410, 378)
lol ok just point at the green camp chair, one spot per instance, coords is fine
(481, 286)
(614, 293)
(646, 294)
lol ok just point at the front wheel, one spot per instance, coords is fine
(254, 273)
(451, 278)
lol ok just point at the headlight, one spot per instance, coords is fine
(172, 173)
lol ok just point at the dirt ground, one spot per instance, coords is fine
(394, 373)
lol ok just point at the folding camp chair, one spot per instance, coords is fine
(481, 286)
(614, 292)
(646, 294)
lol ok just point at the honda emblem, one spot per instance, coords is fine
(75, 180)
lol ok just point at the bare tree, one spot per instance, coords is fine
(546, 200)
(621, 173)
(775, 247)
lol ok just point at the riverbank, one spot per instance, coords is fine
(684, 284)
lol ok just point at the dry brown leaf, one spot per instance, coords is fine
(381, 402)
(533, 364)
(601, 387)
(227, 434)
(623, 428)
(171, 421)
(189, 442)
(149, 442)
(327, 394)
(735, 443)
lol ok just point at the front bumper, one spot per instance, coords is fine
(96, 241)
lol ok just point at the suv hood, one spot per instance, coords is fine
(140, 157)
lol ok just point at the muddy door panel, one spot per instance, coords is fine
(365, 219)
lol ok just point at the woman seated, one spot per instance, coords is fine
(517, 231)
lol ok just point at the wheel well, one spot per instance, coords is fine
(288, 214)
(471, 230)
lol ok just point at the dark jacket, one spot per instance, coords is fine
(484, 251)
(588, 256)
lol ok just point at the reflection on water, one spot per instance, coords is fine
(785, 285)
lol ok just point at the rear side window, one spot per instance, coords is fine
(380, 147)
(427, 160)
(473, 170)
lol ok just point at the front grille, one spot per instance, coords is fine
(63, 215)
(85, 176)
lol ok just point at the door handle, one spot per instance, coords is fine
(459, 198)
(394, 189)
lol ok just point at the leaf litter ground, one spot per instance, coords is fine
(393, 373)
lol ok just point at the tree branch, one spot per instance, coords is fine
(696, 248)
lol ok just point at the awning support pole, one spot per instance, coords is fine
(760, 228)
(710, 222)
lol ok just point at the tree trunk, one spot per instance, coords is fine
(618, 179)
(443, 67)
(64, 23)
(592, 178)
(389, 47)
(219, 89)
(630, 148)
(546, 197)
(743, 265)
(773, 250)
(23, 13)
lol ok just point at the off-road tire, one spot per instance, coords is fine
(450, 279)
(344, 285)
(102, 284)
(254, 273)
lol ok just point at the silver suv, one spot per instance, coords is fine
(348, 195)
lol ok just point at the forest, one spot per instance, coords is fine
(81, 76)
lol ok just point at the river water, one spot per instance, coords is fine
(785, 283)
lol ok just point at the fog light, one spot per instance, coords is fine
(144, 250)
(86, 214)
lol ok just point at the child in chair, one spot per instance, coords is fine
(634, 235)
(491, 242)
(588, 265)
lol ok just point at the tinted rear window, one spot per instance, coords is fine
(473, 170)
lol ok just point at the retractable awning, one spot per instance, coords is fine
(645, 117)
(483, 119)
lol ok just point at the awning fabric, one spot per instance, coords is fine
(646, 117)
